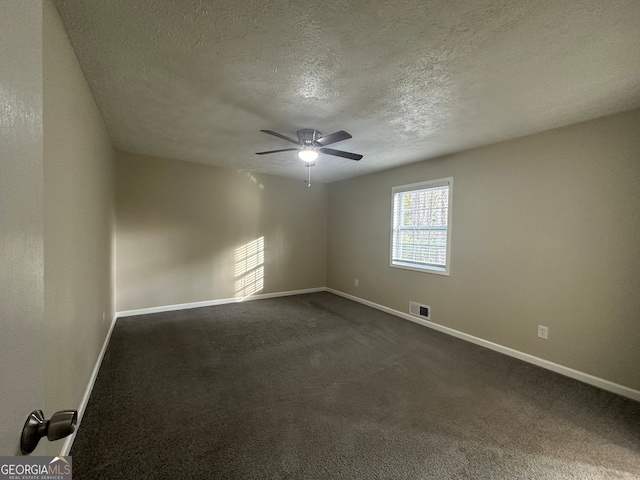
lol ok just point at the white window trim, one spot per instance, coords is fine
(441, 182)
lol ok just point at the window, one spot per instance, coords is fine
(420, 226)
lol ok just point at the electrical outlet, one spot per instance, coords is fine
(543, 332)
(355, 282)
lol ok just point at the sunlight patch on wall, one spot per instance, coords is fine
(249, 268)
(254, 180)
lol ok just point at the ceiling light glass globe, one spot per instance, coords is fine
(307, 154)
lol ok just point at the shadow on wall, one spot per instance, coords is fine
(249, 268)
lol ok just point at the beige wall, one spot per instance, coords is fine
(56, 202)
(546, 230)
(79, 221)
(182, 229)
(21, 228)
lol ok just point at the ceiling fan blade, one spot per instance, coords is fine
(284, 137)
(340, 153)
(276, 151)
(333, 138)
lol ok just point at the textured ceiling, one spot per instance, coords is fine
(410, 79)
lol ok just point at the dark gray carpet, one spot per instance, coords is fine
(319, 387)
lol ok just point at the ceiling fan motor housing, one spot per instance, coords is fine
(308, 136)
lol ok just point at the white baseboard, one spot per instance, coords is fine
(66, 447)
(208, 303)
(554, 367)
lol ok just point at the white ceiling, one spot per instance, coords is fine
(409, 79)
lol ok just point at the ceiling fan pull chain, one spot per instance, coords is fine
(309, 175)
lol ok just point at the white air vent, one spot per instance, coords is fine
(420, 310)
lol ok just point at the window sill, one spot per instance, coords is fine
(408, 266)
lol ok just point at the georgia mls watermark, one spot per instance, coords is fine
(35, 468)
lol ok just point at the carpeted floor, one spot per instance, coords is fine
(318, 387)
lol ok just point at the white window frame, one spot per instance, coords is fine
(426, 185)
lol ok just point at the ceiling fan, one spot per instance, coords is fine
(311, 143)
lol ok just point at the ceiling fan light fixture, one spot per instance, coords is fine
(308, 154)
